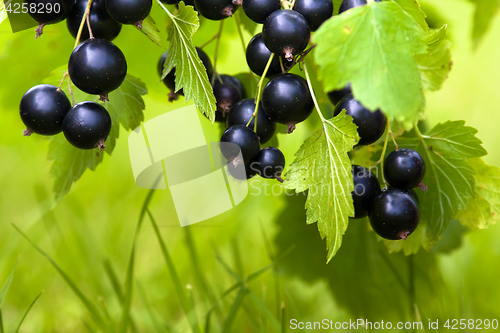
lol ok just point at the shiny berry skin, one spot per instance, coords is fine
(259, 10)
(226, 96)
(103, 26)
(241, 114)
(348, 4)
(246, 141)
(97, 66)
(269, 163)
(366, 188)
(315, 11)
(249, 172)
(215, 10)
(231, 80)
(336, 95)
(87, 125)
(258, 55)
(371, 125)
(42, 110)
(44, 16)
(394, 214)
(129, 11)
(286, 32)
(287, 100)
(404, 168)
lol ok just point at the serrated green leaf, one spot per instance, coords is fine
(412, 7)
(435, 38)
(190, 74)
(449, 176)
(435, 66)
(484, 14)
(125, 107)
(374, 48)
(323, 167)
(484, 209)
(150, 30)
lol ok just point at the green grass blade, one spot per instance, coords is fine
(113, 278)
(94, 312)
(27, 311)
(186, 304)
(259, 305)
(129, 285)
(6, 285)
(234, 309)
(158, 326)
(227, 268)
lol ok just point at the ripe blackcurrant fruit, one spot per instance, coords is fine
(249, 172)
(315, 11)
(394, 214)
(371, 125)
(129, 11)
(336, 95)
(269, 163)
(215, 9)
(42, 110)
(258, 55)
(97, 67)
(287, 100)
(366, 188)
(103, 26)
(259, 10)
(286, 32)
(348, 4)
(231, 80)
(243, 140)
(414, 195)
(227, 96)
(87, 125)
(170, 2)
(241, 114)
(59, 10)
(404, 168)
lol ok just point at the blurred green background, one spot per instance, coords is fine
(96, 222)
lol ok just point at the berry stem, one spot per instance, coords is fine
(88, 24)
(384, 150)
(281, 65)
(259, 92)
(313, 95)
(219, 33)
(71, 92)
(240, 33)
(62, 81)
(82, 23)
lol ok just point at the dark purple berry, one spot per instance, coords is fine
(241, 114)
(129, 11)
(231, 80)
(48, 12)
(348, 4)
(87, 125)
(103, 26)
(315, 11)
(236, 172)
(336, 95)
(226, 96)
(269, 163)
(215, 9)
(239, 139)
(258, 56)
(404, 169)
(259, 10)
(366, 188)
(42, 110)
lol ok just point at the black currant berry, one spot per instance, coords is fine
(42, 110)
(348, 4)
(226, 96)
(103, 26)
(129, 11)
(231, 80)
(87, 125)
(53, 11)
(315, 11)
(259, 10)
(404, 169)
(336, 95)
(249, 172)
(287, 100)
(366, 188)
(241, 114)
(246, 141)
(170, 2)
(394, 214)
(97, 67)
(258, 55)
(286, 32)
(371, 125)
(269, 163)
(215, 9)
(414, 195)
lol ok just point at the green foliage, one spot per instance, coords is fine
(484, 14)
(323, 167)
(435, 64)
(3, 13)
(190, 73)
(374, 48)
(412, 7)
(125, 107)
(151, 31)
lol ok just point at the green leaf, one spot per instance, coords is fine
(484, 14)
(434, 39)
(412, 7)
(150, 30)
(484, 209)
(449, 176)
(125, 107)
(374, 48)
(6, 285)
(27, 311)
(323, 167)
(436, 64)
(190, 74)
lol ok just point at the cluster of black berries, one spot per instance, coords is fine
(393, 212)
(96, 66)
